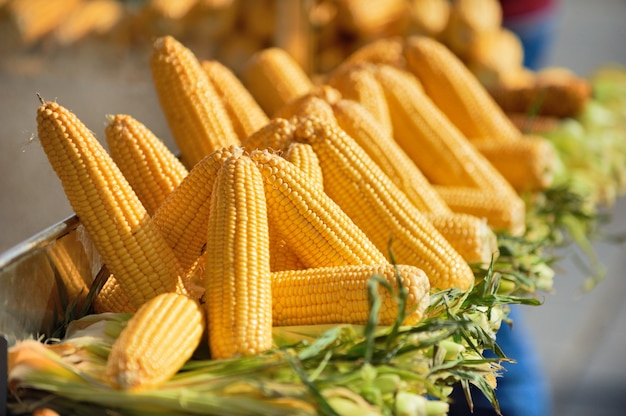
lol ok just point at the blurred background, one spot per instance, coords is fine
(580, 336)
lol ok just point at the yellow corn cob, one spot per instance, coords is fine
(244, 112)
(92, 17)
(389, 156)
(237, 274)
(70, 266)
(274, 78)
(429, 17)
(149, 166)
(112, 298)
(313, 226)
(156, 342)
(36, 18)
(374, 18)
(183, 216)
(127, 239)
(357, 83)
(469, 235)
(457, 92)
(335, 295)
(440, 150)
(304, 157)
(379, 208)
(501, 215)
(275, 135)
(194, 111)
(528, 164)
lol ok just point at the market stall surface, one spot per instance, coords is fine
(579, 336)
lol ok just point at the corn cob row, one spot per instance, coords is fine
(237, 269)
(380, 209)
(442, 153)
(243, 110)
(274, 78)
(159, 338)
(123, 232)
(194, 110)
(339, 294)
(304, 157)
(150, 167)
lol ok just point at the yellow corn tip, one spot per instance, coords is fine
(502, 214)
(237, 267)
(380, 209)
(528, 163)
(244, 112)
(195, 112)
(457, 92)
(313, 225)
(111, 298)
(304, 157)
(150, 167)
(274, 78)
(156, 342)
(334, 295)
(275, 135)
(183, 216)
(127, 239)
(470, 236)
(389, 156)
(357, 83)
(314, 103)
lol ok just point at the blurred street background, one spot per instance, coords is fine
(580, 337)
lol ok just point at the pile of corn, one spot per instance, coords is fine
(330, 247)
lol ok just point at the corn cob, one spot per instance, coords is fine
(357, 83)
(334, 295)
(111, 298)
(429, 17)
(528, 164)
(92, 17)
(457, 92)
(379, 208)
(469, 235)
(274, 78)
(183, 216)
(150, 167)
(69, 268)
(372, 19)
(156, 342)
(304, 157)
(500, 213)
(314, 226)
(237, 272)
(244, 112)
(127, 239)
(34, 19)
(194, 111)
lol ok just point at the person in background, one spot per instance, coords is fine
(523, 390)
